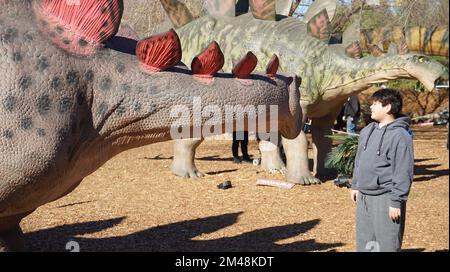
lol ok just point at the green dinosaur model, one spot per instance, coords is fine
(328, 77)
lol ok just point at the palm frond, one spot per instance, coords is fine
(342, 157)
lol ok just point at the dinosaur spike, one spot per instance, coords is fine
(319, 26)
(221, 7)
(318, 6)
(272, 66)
(159, 52)
(352, 33)
(399, 47)
(245, 66)
(209, 62)
(283, 7)
(178, 13)
(80, 28)
(375, 50)
(354, 50)
(402, 47)
(263, 9)
(392, 50)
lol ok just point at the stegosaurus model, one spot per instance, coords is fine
(329, 75)
(67, 105)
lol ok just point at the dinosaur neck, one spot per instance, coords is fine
(350, 76)
(131, 108)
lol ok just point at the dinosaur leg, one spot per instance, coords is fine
(320, 128)
(270, 156)
(296, 151)
(183, 164)
(11, 235)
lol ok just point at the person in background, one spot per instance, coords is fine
(242, 138)
(351, 113)
(339, 124)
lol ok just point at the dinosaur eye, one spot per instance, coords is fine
(421, 59)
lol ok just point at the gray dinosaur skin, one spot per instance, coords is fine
(63, 116)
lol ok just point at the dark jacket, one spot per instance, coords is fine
(385, 161)
(351, 107)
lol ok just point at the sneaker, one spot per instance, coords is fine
(236, 160)
(247, 160)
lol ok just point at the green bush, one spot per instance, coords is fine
(342, 157)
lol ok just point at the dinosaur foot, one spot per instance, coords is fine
(303, 179)
(190, 172)
(12, 240)
(270, 157)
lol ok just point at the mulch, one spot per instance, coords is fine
(134, 203)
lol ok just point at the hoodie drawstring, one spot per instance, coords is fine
(381, 140)
(370, 133)
(364, 202)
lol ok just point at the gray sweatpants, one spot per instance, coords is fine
(375, 230)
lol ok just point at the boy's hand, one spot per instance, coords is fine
(354, 196)
(394, 213)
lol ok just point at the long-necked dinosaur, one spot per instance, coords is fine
(428, 40)
(67, 104)
(329, 76)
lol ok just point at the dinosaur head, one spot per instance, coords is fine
(417, 66)
(350, 76)
(426, 70)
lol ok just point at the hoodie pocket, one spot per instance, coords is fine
(383, 183)
(372, 184)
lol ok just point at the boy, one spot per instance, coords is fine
(382, 175)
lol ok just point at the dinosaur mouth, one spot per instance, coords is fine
(431, 83)
(441, 81)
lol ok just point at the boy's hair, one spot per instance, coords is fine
(389, 96)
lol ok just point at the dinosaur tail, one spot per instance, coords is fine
(426, 40)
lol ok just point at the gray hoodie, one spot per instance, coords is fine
(385, 161)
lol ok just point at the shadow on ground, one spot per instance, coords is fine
(206, 158)
(176, 237)
(221, 172)
(426, 172)
(215, 158)
(158, 158)
(413, 250)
